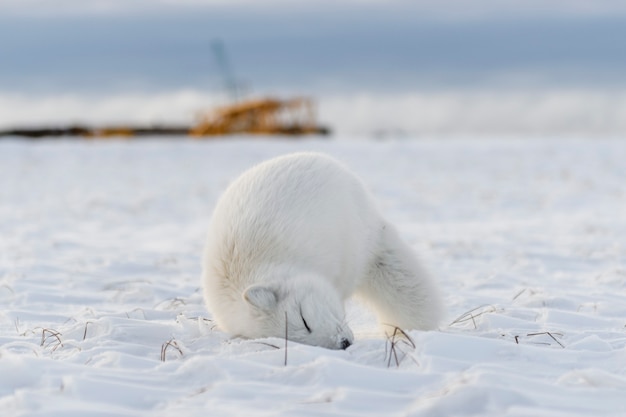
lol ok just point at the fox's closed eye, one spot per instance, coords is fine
(306, 325)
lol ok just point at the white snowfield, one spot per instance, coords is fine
(101, 311)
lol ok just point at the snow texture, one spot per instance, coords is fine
(101, 312)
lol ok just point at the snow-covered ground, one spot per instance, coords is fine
(101, 312)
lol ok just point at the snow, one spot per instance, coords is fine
(102, 314)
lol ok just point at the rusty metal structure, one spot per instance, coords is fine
(261, 116)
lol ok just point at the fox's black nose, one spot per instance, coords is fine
(345, 343)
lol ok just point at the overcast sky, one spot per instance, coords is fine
(94, 46)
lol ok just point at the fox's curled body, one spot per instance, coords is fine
(296, 236)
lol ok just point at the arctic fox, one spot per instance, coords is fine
(291, 239)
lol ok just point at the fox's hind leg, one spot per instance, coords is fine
(398, 288)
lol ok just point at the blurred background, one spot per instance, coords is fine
(375, 68)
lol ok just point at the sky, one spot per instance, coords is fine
(308, 46)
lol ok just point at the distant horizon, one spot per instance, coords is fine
(453, 113)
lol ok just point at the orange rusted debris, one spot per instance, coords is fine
(261, 116)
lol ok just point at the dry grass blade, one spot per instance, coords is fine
(200, 319)
(170, 344)
(85, 332)
(204, 320)
(171, 303)
(141, 310)
(11, 290)
(550, 334)
(268, 344)
(471, 314)
(399, 338)
(519, 293)
(528, 291)
(286, 336)
(51, 338)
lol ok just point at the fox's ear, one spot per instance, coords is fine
(261, 297)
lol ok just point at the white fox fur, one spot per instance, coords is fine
(293, 238)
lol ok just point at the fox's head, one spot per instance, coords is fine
(310, 308)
